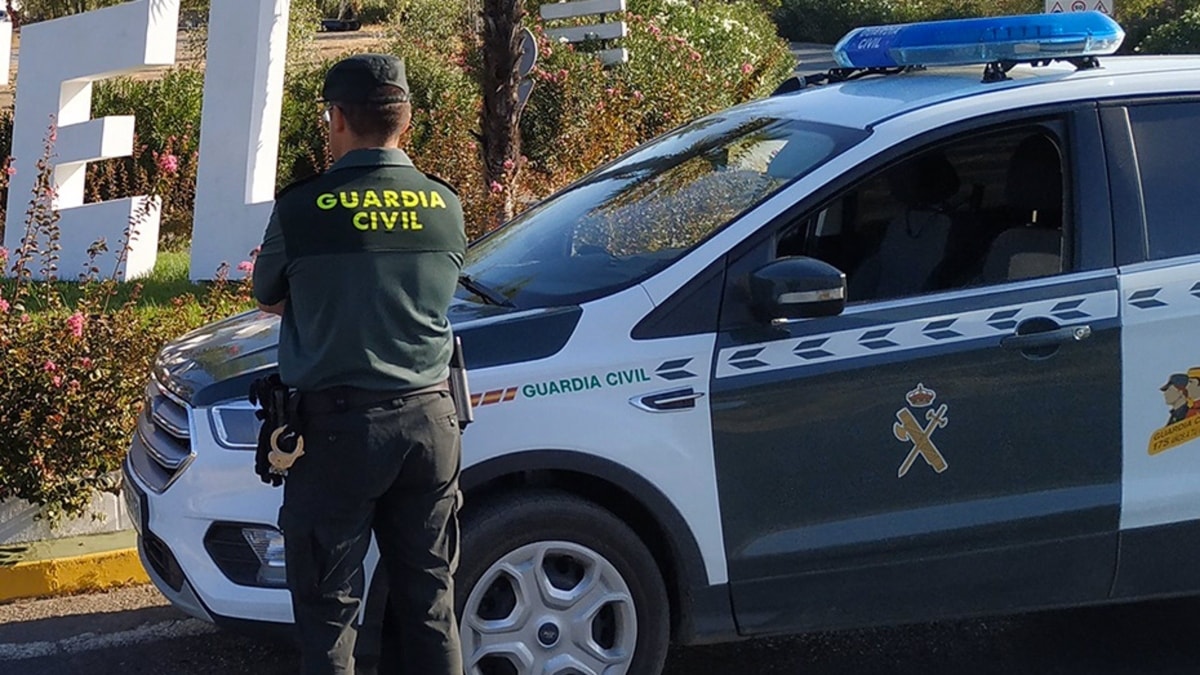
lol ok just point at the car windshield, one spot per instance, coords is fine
(637, 215)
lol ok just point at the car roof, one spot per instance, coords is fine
(867, 101)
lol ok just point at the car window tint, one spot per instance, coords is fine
(988, 208)
(1168, 150)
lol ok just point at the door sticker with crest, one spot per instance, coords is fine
(909, 429)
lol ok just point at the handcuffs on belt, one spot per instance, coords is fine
(280, 444)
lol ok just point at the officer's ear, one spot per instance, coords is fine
(405, 116)
(337, 120)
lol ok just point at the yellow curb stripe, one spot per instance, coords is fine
(64, 576)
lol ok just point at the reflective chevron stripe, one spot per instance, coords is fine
(926, 333)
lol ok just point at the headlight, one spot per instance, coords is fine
(235, 426)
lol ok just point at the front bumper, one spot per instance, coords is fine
(181, 596)
(217, 486)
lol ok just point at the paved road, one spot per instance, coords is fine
(132, 632)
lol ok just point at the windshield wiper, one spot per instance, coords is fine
(489, 295)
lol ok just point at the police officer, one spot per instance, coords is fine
(361, 262)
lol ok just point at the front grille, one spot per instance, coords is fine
(167, 413)
(161, 447)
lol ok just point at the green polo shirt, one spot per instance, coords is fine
(367, 256)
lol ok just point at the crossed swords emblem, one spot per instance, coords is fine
(909, 429)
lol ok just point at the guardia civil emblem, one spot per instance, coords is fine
(908, 429)
(1181, 393)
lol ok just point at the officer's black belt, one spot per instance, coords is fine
(342, 399)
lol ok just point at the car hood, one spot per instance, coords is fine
(217, 362)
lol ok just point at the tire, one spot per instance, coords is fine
(600, 590)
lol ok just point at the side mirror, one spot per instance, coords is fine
(798, 288)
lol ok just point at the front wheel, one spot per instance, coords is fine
(551, 584)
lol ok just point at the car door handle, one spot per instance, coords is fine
(1047, 338)
(667, 401)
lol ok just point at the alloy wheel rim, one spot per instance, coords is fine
(549, 608)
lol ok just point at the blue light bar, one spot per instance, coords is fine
(1032, 37)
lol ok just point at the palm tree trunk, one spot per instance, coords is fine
(501, 139)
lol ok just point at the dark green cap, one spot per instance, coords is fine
(1177, 380)
(357, 79)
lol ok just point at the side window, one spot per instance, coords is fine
(1168, 150)
(984, 209)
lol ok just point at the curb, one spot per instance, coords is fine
(67, 575)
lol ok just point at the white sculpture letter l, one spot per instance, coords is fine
(239, 131)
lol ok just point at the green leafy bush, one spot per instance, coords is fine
(40, 10)
(304, 18)
(303, 138)
(6, 132)
(727, 53)
(434, 21)
(165, 106)
(378, 12)
(1178, 36)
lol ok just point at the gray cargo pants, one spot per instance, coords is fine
(388, 466)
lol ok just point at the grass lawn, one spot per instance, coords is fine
(168, 281)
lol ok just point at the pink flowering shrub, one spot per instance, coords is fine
(74, 355)
(167, 163)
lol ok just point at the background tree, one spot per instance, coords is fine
(501, 139)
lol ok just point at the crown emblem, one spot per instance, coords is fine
(921, 397)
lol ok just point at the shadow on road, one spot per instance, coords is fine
(1144, 639)
(51, 629)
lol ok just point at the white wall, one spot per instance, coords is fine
(19, 523)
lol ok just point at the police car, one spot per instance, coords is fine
(918, 338)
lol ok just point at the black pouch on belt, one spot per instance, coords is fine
(279, 441)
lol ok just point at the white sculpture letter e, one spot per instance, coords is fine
(60, 60)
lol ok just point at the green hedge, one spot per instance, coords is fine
(1179, 36)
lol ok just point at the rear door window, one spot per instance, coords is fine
(1167, 139)
(985, 209)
